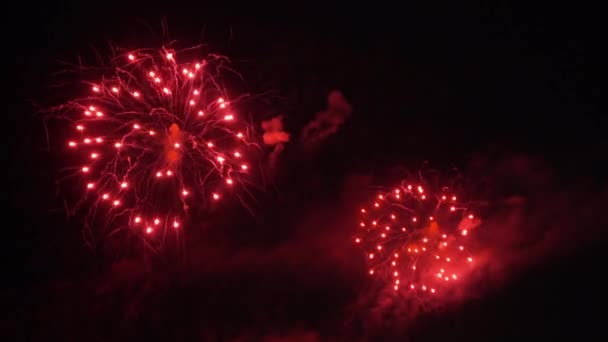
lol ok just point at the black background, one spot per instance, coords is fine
(441, 82)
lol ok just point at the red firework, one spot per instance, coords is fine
(155, 137)
(416, 239)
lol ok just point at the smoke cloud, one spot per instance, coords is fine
(328, 121)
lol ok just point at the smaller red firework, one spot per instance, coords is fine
(415, 238)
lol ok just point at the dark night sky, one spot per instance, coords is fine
(444, 83)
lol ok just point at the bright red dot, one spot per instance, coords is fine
(137, 219)
(80, 127)
(131, 57)
(156, 221)
(90, 186)
(175, 224)
(216, 196)
(464, 232)
(85, 169)
(72, 144)
(229, 181)
(244, 167)
(201, 113)
(116, 203)
(149, 230)
(124, 185)
(105, 196)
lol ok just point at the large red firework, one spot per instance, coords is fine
(153, 138)
(415, 238)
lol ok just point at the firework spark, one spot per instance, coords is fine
(416, 239)
(153, 138)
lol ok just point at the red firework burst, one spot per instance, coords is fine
(415, 238)
(155, 137)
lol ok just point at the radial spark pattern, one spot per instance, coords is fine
(154, 138)
(416, 239)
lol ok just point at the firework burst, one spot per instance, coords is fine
(415, 239)
(154, 138)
